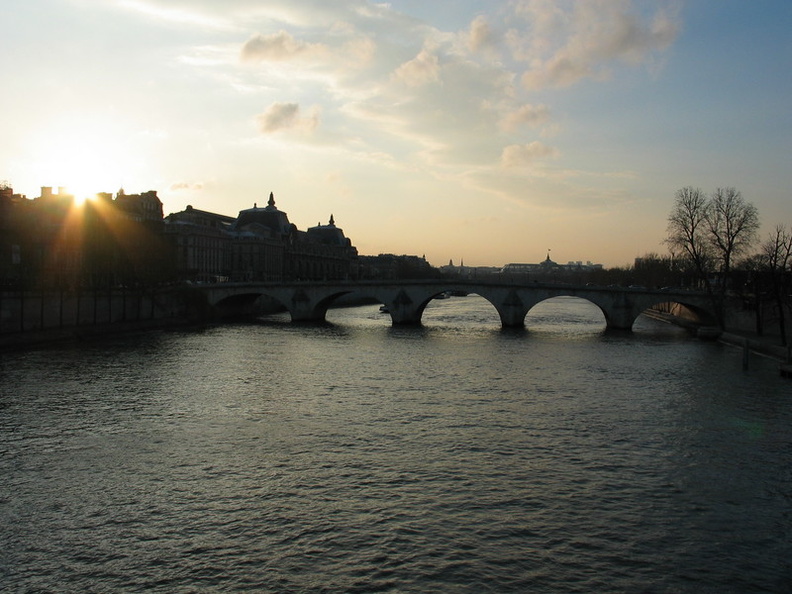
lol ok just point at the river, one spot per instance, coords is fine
(360, 457)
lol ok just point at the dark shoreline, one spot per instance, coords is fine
(34, 339)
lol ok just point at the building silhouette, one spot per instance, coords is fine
(260, 244)
(53, 241)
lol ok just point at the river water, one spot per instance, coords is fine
(360, 457)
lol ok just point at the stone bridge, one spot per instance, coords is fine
(406, 300)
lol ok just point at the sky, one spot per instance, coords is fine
(474, 131)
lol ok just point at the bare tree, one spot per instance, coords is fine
(732, 223)
(776, 258)
(687, 230)
(712, 231)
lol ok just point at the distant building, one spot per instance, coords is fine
(548, 268)
(391, 266)
(463, 271)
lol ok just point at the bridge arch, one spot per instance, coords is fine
(237, 305)
(567, 305)
(407, 305)
(317, 311)
(681, 309)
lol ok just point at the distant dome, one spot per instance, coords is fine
(548, 263)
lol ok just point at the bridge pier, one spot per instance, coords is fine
(300, 307)
(620, 312)
(512, 310)
(306, 316)
(311, 305)
(303, 309)
(404, 310)
(406, 320)
(619, 325)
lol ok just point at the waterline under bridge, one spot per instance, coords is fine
(406, 300)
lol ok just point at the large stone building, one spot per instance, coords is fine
(145, 207)
(259, 245)
(200, 243)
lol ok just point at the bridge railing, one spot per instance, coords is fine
(470, 283)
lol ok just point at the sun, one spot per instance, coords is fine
(85, 156)
(81, 195)
(82, 168)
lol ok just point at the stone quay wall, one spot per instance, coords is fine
(38, 315)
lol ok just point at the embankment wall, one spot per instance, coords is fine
(28, 317)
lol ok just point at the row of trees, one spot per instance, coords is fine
(714, 237)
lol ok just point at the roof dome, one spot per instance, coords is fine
(548, 263)
(269, 216)
(328, 234)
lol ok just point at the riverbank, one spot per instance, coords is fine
(757, 344)
(751, 342)
(761, 346)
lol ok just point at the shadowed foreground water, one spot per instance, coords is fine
(359, 457)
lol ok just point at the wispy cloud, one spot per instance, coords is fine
(182, 186)
(190, 15)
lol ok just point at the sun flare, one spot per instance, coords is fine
(81, 196)
(84, 157)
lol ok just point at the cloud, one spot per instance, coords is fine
(286, 116)
(358, 51)
(278, 47)
(524, 155)
(564, 42)
(346, 52)
(480, 35)
(422, 69)
(530, 115)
